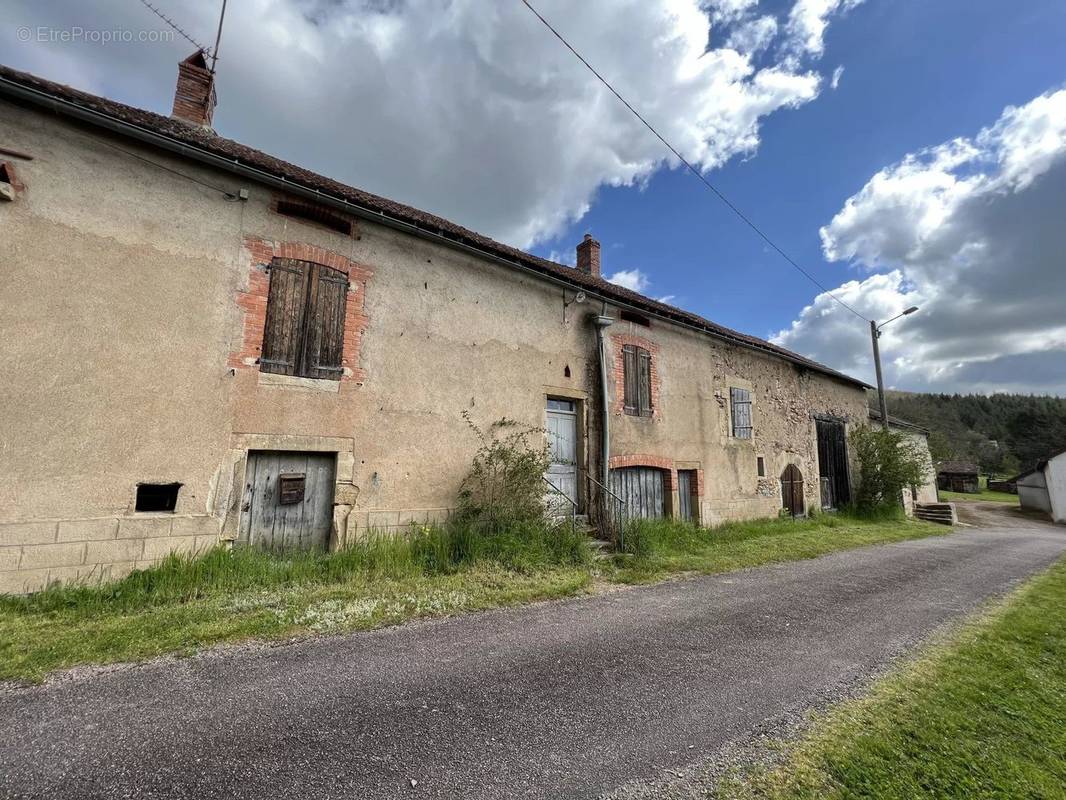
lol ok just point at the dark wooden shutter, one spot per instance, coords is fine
(644, 382)
(629, 379)
(324, 337)
(286, 309)
(792, 490)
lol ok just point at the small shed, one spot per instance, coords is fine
(957, 476)
(1044, 488)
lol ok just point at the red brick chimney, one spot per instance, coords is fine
(588, 256)
(194, 97)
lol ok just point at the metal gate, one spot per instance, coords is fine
(642, 489)
(833, 463)
(288, 500)
(561, 420)
(792, 490)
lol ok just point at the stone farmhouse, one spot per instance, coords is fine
(203, 342)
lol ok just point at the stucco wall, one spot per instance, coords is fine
(121, 316)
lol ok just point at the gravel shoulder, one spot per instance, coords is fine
(567, 699)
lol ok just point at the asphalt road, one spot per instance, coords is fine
(558, 700)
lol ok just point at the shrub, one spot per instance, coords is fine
(890, 462)
(505, 485)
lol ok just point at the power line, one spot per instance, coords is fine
(691, 168)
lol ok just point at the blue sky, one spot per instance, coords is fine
(916, 73)
(934, 174)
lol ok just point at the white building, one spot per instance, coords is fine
(1044, 488)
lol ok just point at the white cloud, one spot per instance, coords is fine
(971, 232)
(754, 35)
(469, 109)
(807, 23)
(667, 298)
(838, 73)
(629, 278)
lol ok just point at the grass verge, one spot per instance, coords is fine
(984, 494)
(184, 604)
(980, 716)
(662, 547)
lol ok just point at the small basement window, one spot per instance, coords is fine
(309, 212)
(157, 496)
(634, 317)
(760, 464)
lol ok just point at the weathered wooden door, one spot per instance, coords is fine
(792, 490)
(642, 489)
(833, 463)
(561, 423)
(688, 503)
(288, 500)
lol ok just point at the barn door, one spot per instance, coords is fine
(642, 489)
(792, 490)
(833, 463)
(288, 500)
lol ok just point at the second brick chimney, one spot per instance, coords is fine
(588, 256)
(194, 97)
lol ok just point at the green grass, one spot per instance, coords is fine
(661, 547)
(183, 605)
(980, 716)
(984, 494)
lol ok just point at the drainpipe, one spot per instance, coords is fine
(602, 321)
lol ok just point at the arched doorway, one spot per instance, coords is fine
(792, 490)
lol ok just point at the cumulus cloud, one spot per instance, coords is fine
(970, 231)
(629, 278)
(807, 23)
(465, 108)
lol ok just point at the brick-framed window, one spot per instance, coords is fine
(333, 287)
(740, 412)
(636, 376)
(303, 334)
(636, 381)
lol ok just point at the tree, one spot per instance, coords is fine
(890, 462)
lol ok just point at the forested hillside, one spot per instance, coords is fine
(1003, 433)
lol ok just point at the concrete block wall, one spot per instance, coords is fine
(35, 554)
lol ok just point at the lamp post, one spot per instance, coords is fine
(875, 334)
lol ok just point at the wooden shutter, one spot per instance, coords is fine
(324, 337)
(286, 310)
(740, 404)
(629, 379)
(644, 382)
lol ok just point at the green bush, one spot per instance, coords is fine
(889, 462)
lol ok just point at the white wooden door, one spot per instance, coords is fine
(288, 500)
(562, 446)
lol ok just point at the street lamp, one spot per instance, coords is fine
(875, 334)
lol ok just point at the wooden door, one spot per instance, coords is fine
(642, 489)
(833, 463)
(561, 423)
(688, 503)
(792, 490)
(288, 500)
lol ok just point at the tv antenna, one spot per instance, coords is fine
(212, 52)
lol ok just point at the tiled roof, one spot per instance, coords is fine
(957, 467)
(210, 142)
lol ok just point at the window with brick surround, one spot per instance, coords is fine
(636, 369)
(740, 408)
(304, 330)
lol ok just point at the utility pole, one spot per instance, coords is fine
(875, 334)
